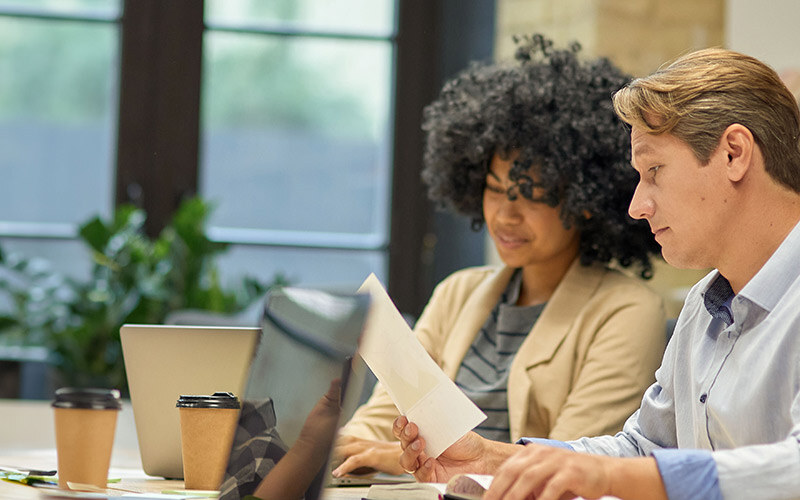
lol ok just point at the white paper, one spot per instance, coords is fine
(416, 384)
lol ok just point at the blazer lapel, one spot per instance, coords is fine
(474, 313)
(547, 334)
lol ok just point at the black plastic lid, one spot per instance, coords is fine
(224, 400)
(87, 398)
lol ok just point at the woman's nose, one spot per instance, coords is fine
(509, 208)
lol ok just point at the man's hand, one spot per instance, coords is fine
(358, 456)
(548, 473)
(470, 454)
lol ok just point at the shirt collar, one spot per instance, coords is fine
(718, 297)
(511, 294)
(772, 281)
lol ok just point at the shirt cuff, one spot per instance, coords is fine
(547, 442)
(688, 474)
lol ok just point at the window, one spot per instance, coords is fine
(295, 135)
(298, 118)
(58, 111)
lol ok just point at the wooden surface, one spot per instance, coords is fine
(27, 441)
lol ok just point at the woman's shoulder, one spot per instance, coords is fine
(471, 276)
(621, 284)
(465, 283)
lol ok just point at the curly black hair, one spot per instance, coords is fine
(554, 110)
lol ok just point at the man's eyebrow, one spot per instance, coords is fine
(642, 149)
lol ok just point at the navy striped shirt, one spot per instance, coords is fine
(483, 375)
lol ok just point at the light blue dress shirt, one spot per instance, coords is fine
(723, 417)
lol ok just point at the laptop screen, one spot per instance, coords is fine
(162, 362)
(308, 340)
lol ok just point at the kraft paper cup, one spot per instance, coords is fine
(208, 424)
(85, 421)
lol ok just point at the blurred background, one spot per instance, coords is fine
(296, 122)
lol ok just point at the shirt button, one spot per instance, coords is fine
(703, 398)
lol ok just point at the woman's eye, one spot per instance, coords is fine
(495, 189)
(653, 170)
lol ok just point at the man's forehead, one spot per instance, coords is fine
(641, 142)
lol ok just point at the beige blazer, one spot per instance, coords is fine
(581, 371)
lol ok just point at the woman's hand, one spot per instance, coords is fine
(359, 456)
(470, 454)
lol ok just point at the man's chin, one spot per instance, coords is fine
(681, 260)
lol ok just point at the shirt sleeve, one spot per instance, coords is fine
(688, 474)
(547, 442)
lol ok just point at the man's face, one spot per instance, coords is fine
(683, 200)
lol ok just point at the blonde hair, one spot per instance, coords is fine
(700, 94)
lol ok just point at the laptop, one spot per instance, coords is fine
(309, 338)
(163, 362)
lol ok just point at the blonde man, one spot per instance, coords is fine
(714, 137)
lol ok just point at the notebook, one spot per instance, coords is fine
(163, 362)
(309, 338)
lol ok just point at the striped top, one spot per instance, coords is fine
(483, 374)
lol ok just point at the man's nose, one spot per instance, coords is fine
(642, 205)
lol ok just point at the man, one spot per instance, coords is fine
(714, 137)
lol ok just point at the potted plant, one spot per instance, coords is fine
(134, 279)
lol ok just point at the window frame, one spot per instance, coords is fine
(158, 126)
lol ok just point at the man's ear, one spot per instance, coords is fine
(739, 146)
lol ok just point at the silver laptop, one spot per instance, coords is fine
(309, 339)
(163, 362)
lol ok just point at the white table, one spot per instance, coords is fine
(27, 441)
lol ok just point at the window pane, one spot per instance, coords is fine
(336, 270)
(295, 133)
(364, 16)
(109, 8)
(67, 257)
(57, 114)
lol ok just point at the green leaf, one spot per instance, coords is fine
(95, 234)
(134, 279)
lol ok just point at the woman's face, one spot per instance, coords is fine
(526, 233)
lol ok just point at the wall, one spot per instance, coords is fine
(639, 36)
(768, 34)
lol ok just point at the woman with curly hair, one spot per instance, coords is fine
(559, 342)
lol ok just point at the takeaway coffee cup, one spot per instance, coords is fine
(85, 421)
(207, 427)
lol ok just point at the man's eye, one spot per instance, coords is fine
(653, 170)
(495, 189)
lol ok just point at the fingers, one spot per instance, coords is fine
(519, 476)
(413, 456)
(406, 432)
(398, 426)
(362, 456)
(547, 473)
(351, 464)
(426, 473)
(349, 445)
(413, 459)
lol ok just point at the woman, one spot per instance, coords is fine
(558, 342)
